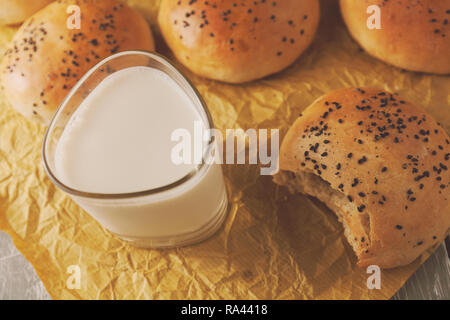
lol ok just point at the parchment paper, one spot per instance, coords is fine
(273, 245)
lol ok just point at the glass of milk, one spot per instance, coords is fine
(110, 147)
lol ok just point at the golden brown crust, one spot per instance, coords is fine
(389, 157)
(46, 59)
(414, 35)
(16, 11)
(238, 41)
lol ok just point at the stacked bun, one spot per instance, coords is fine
(46, 58)
(414, 35)
(238, 41)
(381, 164)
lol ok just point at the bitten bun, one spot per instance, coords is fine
(381, 164)
(46, 58)
(414, 35)
(238, 41)
(16, 11)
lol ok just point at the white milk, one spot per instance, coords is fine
(119, 141)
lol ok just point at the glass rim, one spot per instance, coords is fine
(138, 194)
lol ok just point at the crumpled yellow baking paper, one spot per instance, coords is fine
(273, 245)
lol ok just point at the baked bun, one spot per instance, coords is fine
(45, 58)
(16, 11)
(381, 164)
(414, 35)
(238, 41)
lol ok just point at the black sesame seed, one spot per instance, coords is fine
(362, 160)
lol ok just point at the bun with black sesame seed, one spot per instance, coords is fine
(45, 58)
(414, 35)
(16, 11)
(381, 164)
(238, 41)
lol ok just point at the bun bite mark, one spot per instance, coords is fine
(354, 218)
